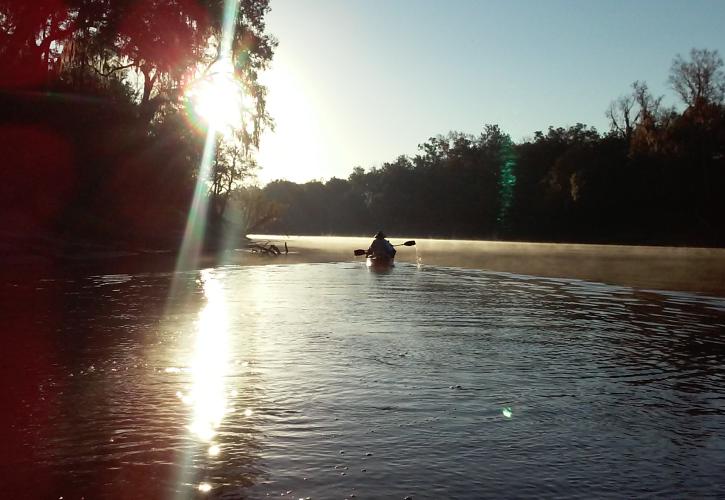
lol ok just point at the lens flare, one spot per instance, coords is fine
(507, 181)
(209, 367)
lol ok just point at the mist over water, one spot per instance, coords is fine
(667, 268)
(326, 380)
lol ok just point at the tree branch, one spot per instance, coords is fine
(113, 70)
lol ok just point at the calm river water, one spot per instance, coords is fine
(330, 381)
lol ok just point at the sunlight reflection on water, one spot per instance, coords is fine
(210, 364)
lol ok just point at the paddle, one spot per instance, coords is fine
(406, 244)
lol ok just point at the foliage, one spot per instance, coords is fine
(92, 112)
(141, 52)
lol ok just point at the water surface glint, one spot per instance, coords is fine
(327, 381)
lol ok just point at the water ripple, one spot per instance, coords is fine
(430, 382)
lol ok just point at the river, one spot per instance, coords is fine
(326, 380)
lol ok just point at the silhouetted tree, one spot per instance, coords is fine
(700, 80)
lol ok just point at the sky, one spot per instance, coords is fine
(361, 82)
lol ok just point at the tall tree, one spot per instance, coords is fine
(623, 116)
(700, 80)
(233, 163)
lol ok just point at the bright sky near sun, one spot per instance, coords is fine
(360, 82)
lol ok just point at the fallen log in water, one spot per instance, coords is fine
(266, 248)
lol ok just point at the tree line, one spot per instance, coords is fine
(656, 177)
(98, 143)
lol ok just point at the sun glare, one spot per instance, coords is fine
(217, 97)
(293, 148)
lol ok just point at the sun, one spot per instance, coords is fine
(217, 97)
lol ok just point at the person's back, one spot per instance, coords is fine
(381, 247)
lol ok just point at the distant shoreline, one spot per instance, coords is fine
(688, 269)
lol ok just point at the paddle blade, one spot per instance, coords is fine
(360, 252)
(409, 243)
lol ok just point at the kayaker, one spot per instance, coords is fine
(381, 247)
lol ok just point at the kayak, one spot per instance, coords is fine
(379, 262)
